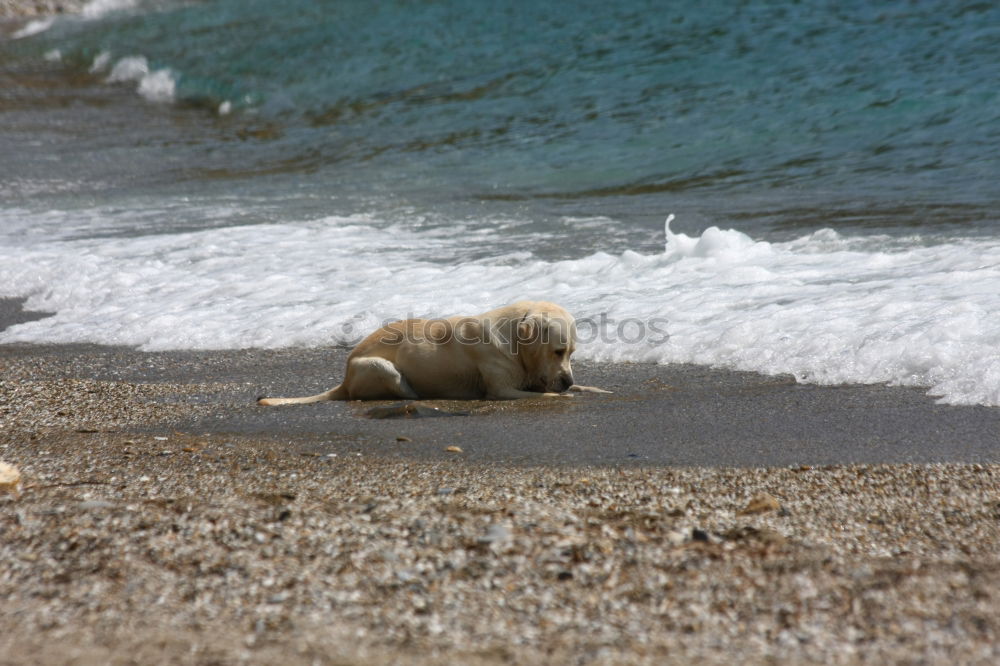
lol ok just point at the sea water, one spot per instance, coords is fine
(229, 174)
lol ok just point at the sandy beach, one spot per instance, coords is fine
(692, 515)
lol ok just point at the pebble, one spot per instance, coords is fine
(10, 479)
(494, 534)
(760, 503)
(92, 505)
(676, 538)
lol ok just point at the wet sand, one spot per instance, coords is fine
(694, 514)
(657, 415)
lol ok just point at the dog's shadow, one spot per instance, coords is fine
(421, 409)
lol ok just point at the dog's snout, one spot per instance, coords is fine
(565, 381)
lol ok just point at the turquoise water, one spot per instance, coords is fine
(777, 116)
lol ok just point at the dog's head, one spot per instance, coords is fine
(546, 338)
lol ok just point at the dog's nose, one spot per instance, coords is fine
(565, 381)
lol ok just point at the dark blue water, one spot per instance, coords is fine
(776, 117)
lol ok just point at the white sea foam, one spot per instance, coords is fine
(101, 62)
(96, 9)
(155, 85)
(158, 86)
(132, 68)
(825, 308)
(33, 28)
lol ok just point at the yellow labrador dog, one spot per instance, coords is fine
(517, 351)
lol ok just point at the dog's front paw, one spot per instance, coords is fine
(586, 389)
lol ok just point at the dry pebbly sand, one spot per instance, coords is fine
(135, 543)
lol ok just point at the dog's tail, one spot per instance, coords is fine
(336, 393)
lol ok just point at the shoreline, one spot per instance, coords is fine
(11, 10)
(657, 415)
(166, 518)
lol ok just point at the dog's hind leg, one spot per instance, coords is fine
(367, 378)
(375, 378)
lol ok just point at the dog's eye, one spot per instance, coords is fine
(560, 353)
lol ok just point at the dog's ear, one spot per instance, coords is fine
(532, 327)
(526, 328)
